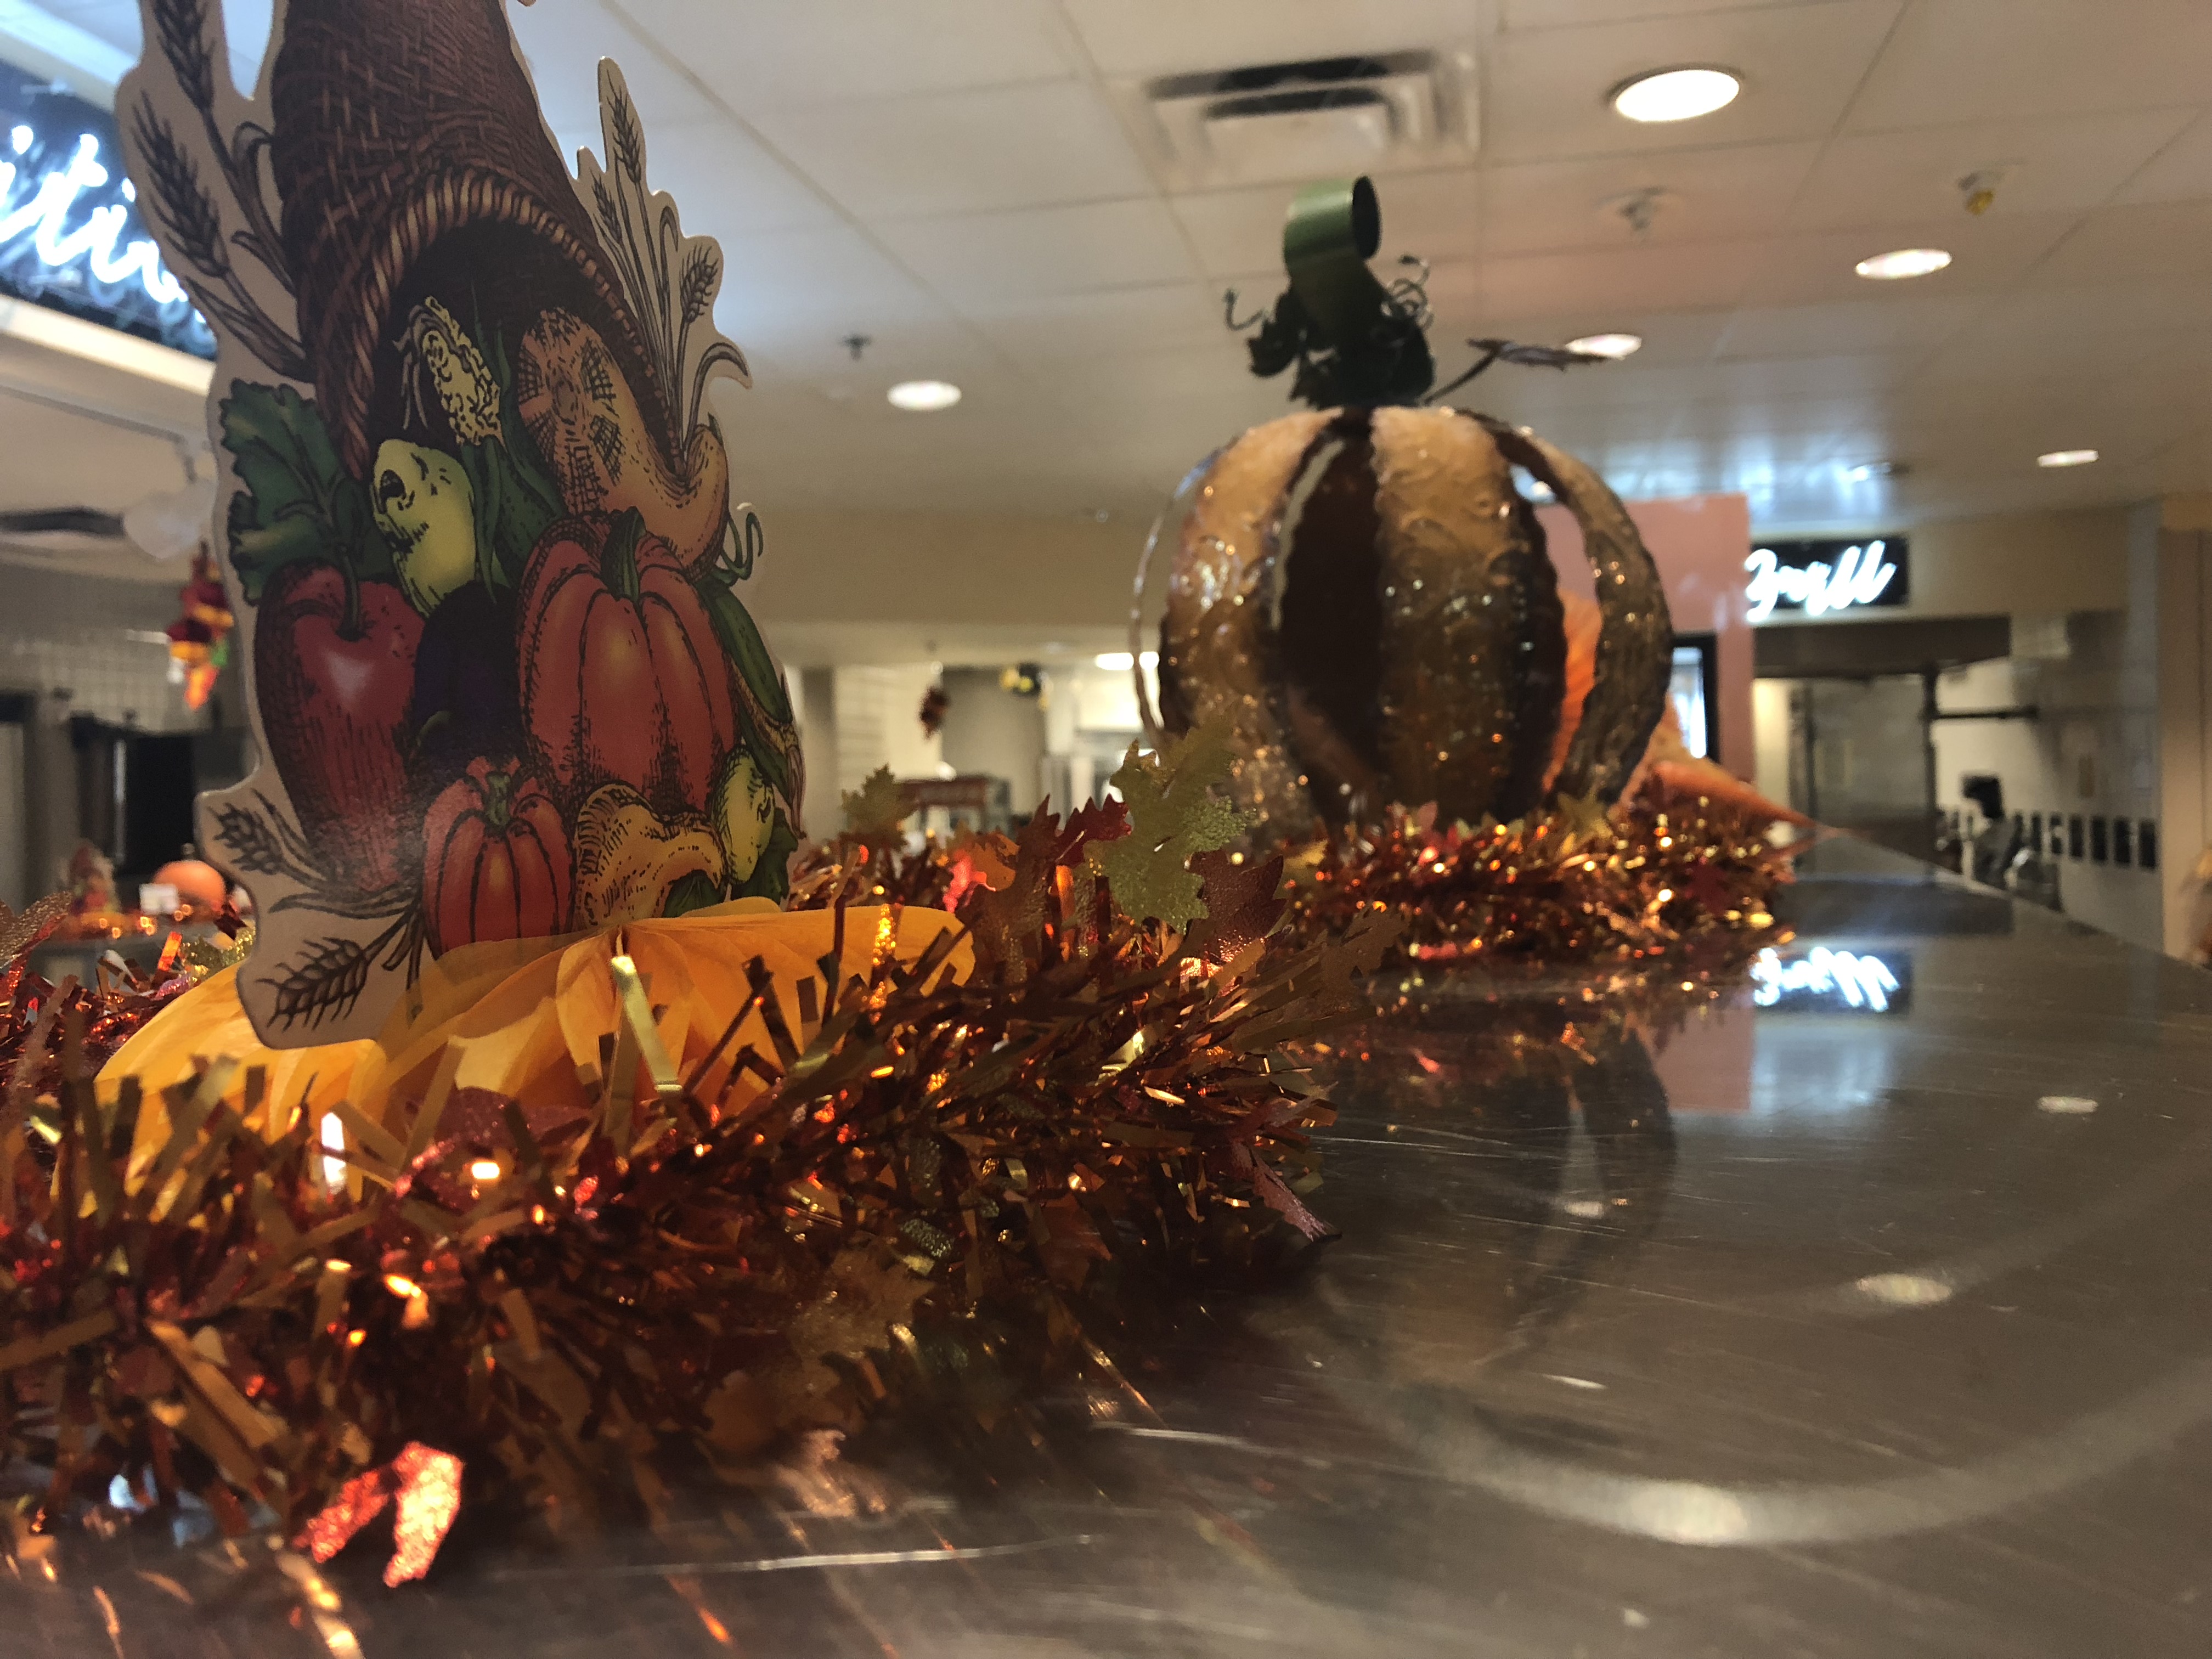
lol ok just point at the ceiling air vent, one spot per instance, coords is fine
(1286, 121)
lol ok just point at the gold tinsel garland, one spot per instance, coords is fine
(1664, 877)
(927, 1162)
(926, 1184)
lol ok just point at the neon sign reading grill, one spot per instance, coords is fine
(71, 233)
(1820, 577)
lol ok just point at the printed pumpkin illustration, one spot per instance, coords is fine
(479, 534)
(622, 680)
(496, 862)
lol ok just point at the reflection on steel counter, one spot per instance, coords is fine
(1905, 1353)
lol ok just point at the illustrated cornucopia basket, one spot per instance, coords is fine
(408, 145)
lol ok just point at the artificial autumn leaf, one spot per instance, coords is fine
(866, 1292)
(1006, 922)
(1241, 906)
(875, 809)
(426, 1485)
(1710, 889)
(1097, 820)
(1173, 814)
(1582, 815)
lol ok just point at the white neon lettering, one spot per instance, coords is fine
(44, 218)
(1860, 576)
(1861, 982)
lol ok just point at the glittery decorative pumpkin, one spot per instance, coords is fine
(1365, 596)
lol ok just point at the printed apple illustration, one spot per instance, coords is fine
(334, 666)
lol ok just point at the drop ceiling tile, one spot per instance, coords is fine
(2031, 320)
(2142, 240)
(999, 147)
(1100, 244)
(1174, 37)
(1708, 195)
(726, 183)
(1795, 425)
(1671, 338)
(1962, 60)
(812, 286)
(754, 52)
(935, 349)
(1992, 363)
(1546, 92)
(2182, 171)
(1434, 216)
(115, 22)
(247, 25)
(1555, 14)
(1986, 254)
(2044, 166)
(1684, 276)
(1791, 378)
(1903, 323)
(563, 41)
(1054, 328)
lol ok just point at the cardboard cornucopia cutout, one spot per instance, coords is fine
(477, 523)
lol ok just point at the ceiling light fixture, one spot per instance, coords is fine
(1120, 662)
(924, 397)
(1902, 263)
(1676, 94)
(1615, 346)
(2066, 458)
(1867, 470)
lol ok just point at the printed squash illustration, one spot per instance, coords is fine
(588, 424)
(426, 511)
(631, 863)
(496, 862)
(624, 680)
(743, 814)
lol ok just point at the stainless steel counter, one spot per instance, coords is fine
(1818, 1330)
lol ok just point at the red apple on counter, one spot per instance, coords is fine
(334, 663)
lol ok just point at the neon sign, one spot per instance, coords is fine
(45, 218)
(1827, 979)
(1860, 574)
(71, 233)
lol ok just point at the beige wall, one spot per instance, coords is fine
(2176, 536)
(887, 587)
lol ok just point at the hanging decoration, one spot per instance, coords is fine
(199, 639)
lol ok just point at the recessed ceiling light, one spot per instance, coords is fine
(924, 397)
(1676, 94)
(1867, 470)
(2066, 458)
(1903, 263)
(1615, 346)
